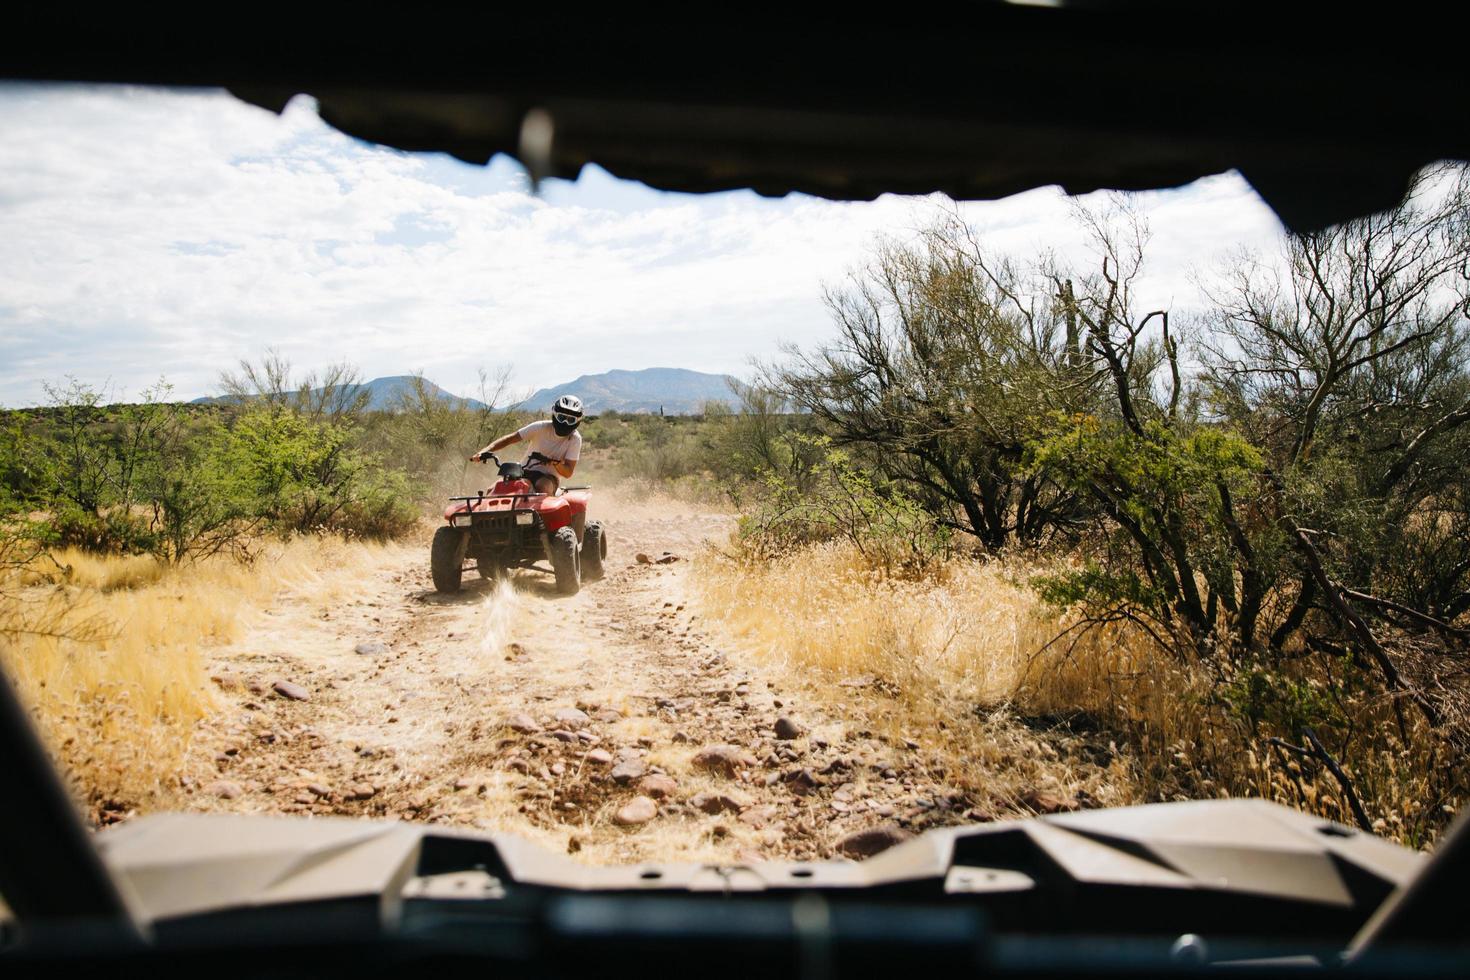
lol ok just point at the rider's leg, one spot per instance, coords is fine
(543, 482)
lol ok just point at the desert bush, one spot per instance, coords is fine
(947, 363)
(832, 499)
(1264, 519)
(383, 508)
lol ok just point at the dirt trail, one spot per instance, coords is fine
(411, 705)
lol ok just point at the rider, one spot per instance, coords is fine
(554, 446)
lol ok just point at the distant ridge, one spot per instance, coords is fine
(675, 391)
(385, 394)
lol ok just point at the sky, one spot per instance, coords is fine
(149, 233)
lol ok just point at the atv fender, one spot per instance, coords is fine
(556, 512)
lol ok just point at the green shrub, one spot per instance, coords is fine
(837, 499)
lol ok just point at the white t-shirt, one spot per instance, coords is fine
(541, 437)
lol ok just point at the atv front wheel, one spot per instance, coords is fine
(564, 561)
(594, 551)
(446, 558)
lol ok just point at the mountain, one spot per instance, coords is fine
(386, 394)
(676, 391)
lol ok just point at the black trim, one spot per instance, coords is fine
(49, 873)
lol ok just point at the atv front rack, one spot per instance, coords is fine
(479, 497)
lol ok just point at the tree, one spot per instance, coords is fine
(1165, 486)
(947, 364)
(334, 394)
(1346, 361)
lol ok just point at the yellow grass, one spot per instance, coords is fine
(966, 655)
(107, 651)
(948, 655)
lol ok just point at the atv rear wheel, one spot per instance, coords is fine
(565, 562)
(446, 558)
(594, 551)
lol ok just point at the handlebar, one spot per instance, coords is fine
(488, 457)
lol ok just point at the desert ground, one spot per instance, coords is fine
(620, 724)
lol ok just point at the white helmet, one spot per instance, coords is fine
(566, 414)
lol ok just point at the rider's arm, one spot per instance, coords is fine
(564, 467)
(499, 444)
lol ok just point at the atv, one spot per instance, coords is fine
(513, 526)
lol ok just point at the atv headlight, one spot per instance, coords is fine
(462, 520)
(525, 517)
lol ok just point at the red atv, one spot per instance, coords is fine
(512, 526)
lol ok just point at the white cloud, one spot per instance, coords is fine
(150, 232)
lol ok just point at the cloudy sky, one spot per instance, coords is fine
(146, 232)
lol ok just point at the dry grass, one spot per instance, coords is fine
(967, 664)
(939, 661)
(107, 652)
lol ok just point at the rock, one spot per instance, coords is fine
(682, 737)
(225, 679)
(801, 781)
(758, 816)
(371, 649)
(463, 782)
(667, 559)
(657, 786)
(607, 715)
(303, 798)
(317, 789)
(1044, 802)
(364, 791)
(636, 811)
(255, 687)
(518, 765)
(225, 789)
(290, 691)
(642, 559)
(787, 729)
(874, 840)
(562, 735)
(628, 770)
(573, 718)
(523, 723)
(727, 760)
(558, 769)
(716, 803)
(601, 757)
